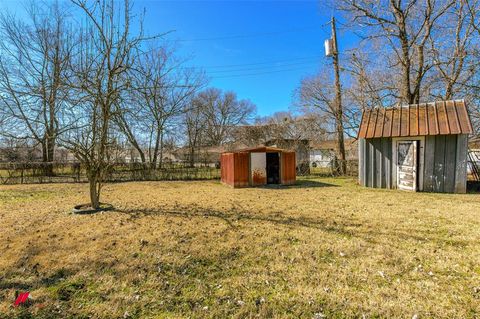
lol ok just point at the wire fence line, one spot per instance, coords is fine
(329, 168)
(73, 172)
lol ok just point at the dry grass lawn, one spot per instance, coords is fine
(324, 248)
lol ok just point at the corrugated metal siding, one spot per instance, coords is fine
(375, 164)
(461, 164)
(241, 169)
(226, 168)
(235, 167)
(288, 167)
(445, 162)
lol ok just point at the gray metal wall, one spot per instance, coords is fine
(375, 162)
(444, 163)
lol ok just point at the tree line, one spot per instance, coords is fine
(84, 76)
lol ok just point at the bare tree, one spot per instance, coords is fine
(454, 62)
(212, 119)
(405, 28)
(473, 8)
(222, 111)
(160, 92)
(194, 122)
(99, 80)
(33, 67)
(316, 96)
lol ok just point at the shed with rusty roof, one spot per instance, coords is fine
(419, 147)
(258, 166)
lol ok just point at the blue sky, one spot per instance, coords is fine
(259, 49)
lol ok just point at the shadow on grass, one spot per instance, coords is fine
(242, 215)
(301, 183)
(38, 281)
(344, 228)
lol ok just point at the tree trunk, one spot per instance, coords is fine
(50, 150)
(50, 156)
(44, 151)
(160, 159)
(153, 164)
(47, 165)
(192, 156)
(94, 190)
(142, 157)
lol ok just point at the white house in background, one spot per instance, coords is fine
(321, 157)
(322, 153)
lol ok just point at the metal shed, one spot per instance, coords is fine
(258, 166)
(419, 147)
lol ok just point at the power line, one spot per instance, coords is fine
(252, 35)
(262, 63)
(265, 67)
(259, 73)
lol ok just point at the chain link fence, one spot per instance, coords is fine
(328, 168)
(34, 173)
(72, 172)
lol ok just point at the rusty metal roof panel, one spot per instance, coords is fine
(261, 149)
(364, 123)
(405, 121)
(443, 117)
(422, 120)
(464, 119)
(379, 125)
(452, 115)
(372, 123)
(387, 122)
(396, 122)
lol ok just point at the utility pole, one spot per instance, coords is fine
(342, 167)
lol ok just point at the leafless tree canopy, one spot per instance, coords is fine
(34, 60)
(98, 87)
(160, 91)
(99, 78)
(212, 118)
(409, 52)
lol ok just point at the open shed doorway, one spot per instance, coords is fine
(273, 168)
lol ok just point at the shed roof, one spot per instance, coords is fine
(261, 149)
(442, 117)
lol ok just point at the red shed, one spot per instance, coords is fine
(258, 166)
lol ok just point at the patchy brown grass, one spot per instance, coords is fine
(203, 250)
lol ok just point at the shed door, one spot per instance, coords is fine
(258, 168)
(407, 165)
(288, 167)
